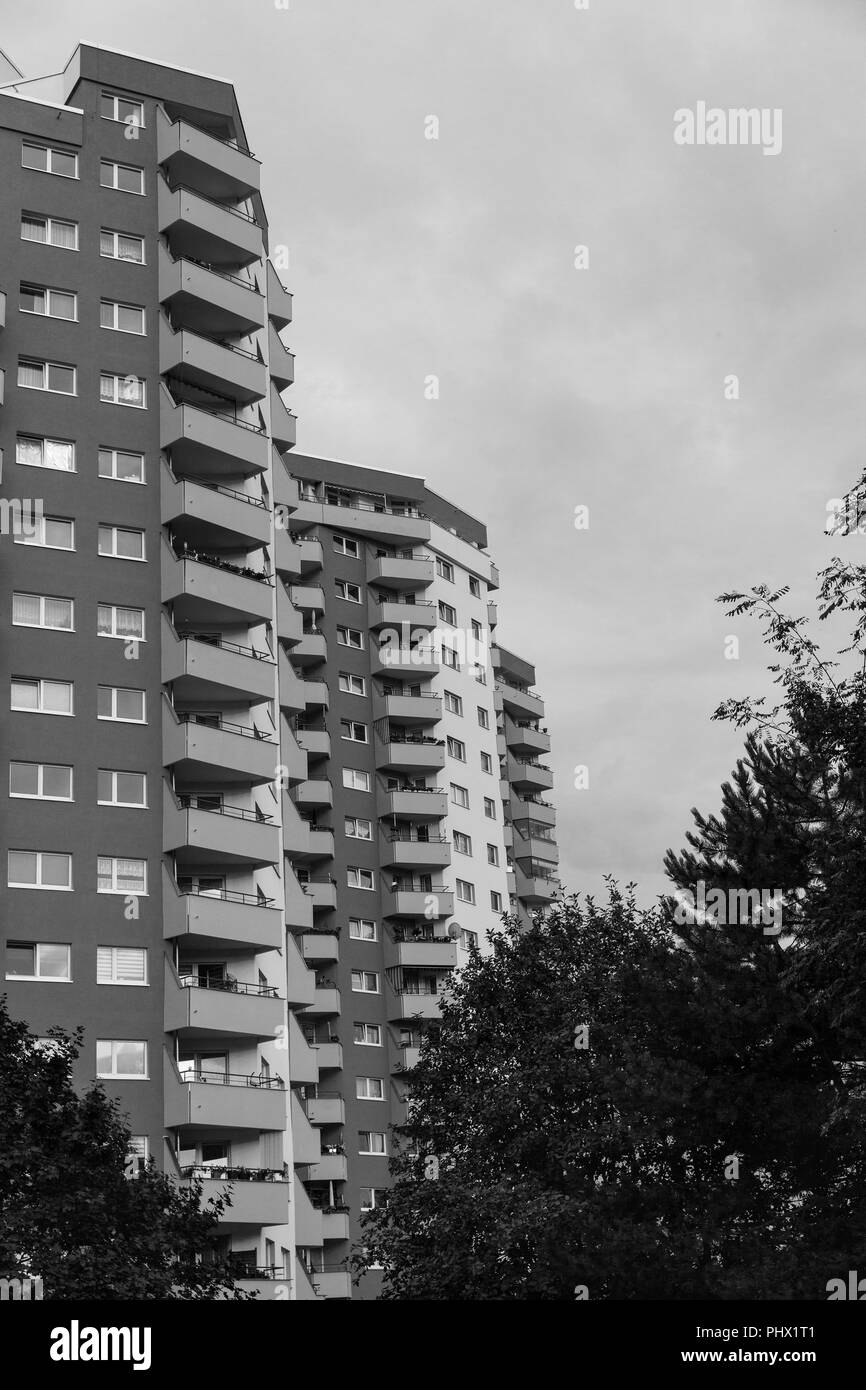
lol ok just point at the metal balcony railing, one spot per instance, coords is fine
(245, 1271)
(183, 551)
(407, 935)
(225, 725)
(231, 1078)
(221, 489)
(216, 270)
(224, 1172)
(208, 639)
(214, 202)
(515, 685)
(191, 803)
(411, 837)
(228, 985)
(406, 602)
(227, 895)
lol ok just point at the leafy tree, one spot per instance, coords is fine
(67, 1210)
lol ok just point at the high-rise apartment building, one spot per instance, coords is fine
(270, 777)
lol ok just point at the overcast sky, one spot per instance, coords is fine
(561, 387)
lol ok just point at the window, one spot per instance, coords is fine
(468, 939)
(121, 543)
(52, 304)
(121, 1059)
(496, 901)
(493, 855)
(356, 780)
(350, 637)
(370, 1142)
(40, 781)
(459, 795)
(49, 160)
(123, 318)
(136, 1155)
(122, 390)
(465, 891)
(121, 246)
(450, 658)
(477, 631)
(116, 875)
(112, 108)
(483, 717)
(38, 610)
(368, 1034)
(457, 749)
(125, 623)
(121, 965)
(361, 878)
(121, 788)
(445, 570)
(474, 586)
(37, 869)
(365, 982)
(490, 808)
(51, 231)
(42, 696)
(45, 453)
(453, 703)
(362, 929)
(480, 674)
(351, 592)
(37, 960)
(369, 1088)
(447, 614)
(46, 376)
(345, 545)
(486, 762)
(353, 731)
(462, 843)
(121, 465)
(352, 685)
(372, 1197)
(126, 178)
(49, 532)
(358, 829)
(116, 702)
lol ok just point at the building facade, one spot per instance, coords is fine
(270, 777)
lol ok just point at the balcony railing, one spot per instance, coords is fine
(187, 552)
(218, 487)
(229, 1173)
(210, 640)
(231, 1078)
(224, 725)
(406, 837)
(177, 399)
(406, 935)
(228, 985)
(224, 207)
(227, 895)
(216, 270)
(515, 685)
(240, 1270)
(192, 803)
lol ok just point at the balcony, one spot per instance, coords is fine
(518, 700)
(323, 893)
(281, 362)
(279, 300)
(205, 230)
(406, 617)
(329, 1056)
(210, 442)
(254, 1201)
(533, 807)
(522, 737)
(211, 366)
(293, 759)
(306, 1141)
(284, 425)
(331, 1167)
(389, 525)
(225, 1100)
(407, 709)
(231, 835)
(332, 1283)
(416, 803)
(239, 520)
(267, 1284)
(531, 845)
(320, 946)
(311, 650)
(303, 1063)
(290, 621)
(313, 793)
(230, 751)
(206, 299)
(310, 597)
(419, 662)
(408, 1057)
(296, 832)
(213, 167)
(296, 558)
(326, 1001)
(230, 1007)
(413, 753)
(316, 743)
(335, 1224)
(428, 903)
(299, 913)
(403, 1004)
(427, 952)
(326, 1108)
(535, 882)
(527, 774)
(401, 850)
(492, 614)
(220, 919)
(300, 982)
(401, 572)
(308, 1221)
(315, 694)
(211, 670)
(206, 590)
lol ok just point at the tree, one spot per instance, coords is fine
(68, 1212)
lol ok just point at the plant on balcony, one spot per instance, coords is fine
(68, 1212)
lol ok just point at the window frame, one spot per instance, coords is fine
(41, 887)
(365, 1042)
(114, 635)
(49, 150)
(115, 256)
(121, 120)
(39, 682)
(114, 528)
(118, 378)
(116, 305)
(19, 538)
(373, 1134)
(114, 773)
(39, 794)
(126, 984)
(377, 1080)
(345, 541)
(45, 365)
(350, 632)
(116, 165)
(50, 223)
(456, 749)
(43, 440)
(359, 871)
(363, 922)
(43, 599)
(119, 719)
(114, 860)
(464, 883)
(113, 476)
(123, 1075)
(345, 585)
(364, 976)
(357, 772)
(47, 291)
(348, 677)
(43, 979)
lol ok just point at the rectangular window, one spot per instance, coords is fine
(42, 696)
(116, 702)
(447, 614)
(465, 891)
(350, 592)
(468, 939)
(122, 318)
(368, 1034)
(50, 231)
(462, 843)
(37, 869)
(490, 808)
(51, 304)
(121, 788)
(47, 159)
(49, 533)
(345, 545)
(362, 929)
(493, 855)
(372, 1197)
(450, 658)
(121, 543)
(361, 878)
(121, 465)
(121, 246)
(483, 717)
(477, 631)
(457, 749)
(474, 586)
(496, 901)
(45, 453)
(486, 762)
(445, 570)
(120, 1059)
(358, 829)
(453, 703)
(356, 780)
(459, 795)
(124, 623)
(56, 377)
(40, 781)
(123, 390)
(371, 1142)
(117, 875)
(365, 982)
(39, 610)
(113, 108)
(136, 1155)
(126, 178)
(369, 1088)
(354, 732)
(352, 685)
(121, 965)
(480, 674)
(38, 960)
(350, 637)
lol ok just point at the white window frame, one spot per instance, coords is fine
(42, 626)
(364, 976)
(365, 1041)
(45, 979)
(37, 886)
(453, 703)
(353, 725)
(461, 835)
(483, 717)
(443, 609)
(490, 801)
(41, 681)
(38, 540)
(474, 586)
(450, 657)
(444, 569)
(373, 1205)
(465, 891)
(119, 380)
(128, 984)
(363, 1082)
(486, 762)
(493, 859)
(112, 554)
(115, 254)
(48, 291)
(50, 224)
(121, 120)
(373, 1134)
(116, 718)
(46, 376)
(357, 926)
(495, 901)
(115, 165)
(464, 932)
(355, 822)
(120, 636)
(343, 635)
(458, 800)
(44, 440)
(116, 305)
(357, 772)
(341, 544)
(359, 872)
(345, 681)
(114, 860)
(113, 476)
(456, 749)
(114, 773)
(50, 150)
(123, 1075)
(342, 587)
(39, 794)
